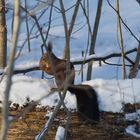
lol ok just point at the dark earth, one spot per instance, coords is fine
(112, 125)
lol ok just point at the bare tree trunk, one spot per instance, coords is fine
(3, 35)
(67, 48)
(119, 29)
(93, 37)
(5, 109)
(134, 69)
(68, 31)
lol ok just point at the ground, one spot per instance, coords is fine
(27, 127)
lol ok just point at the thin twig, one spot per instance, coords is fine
(27, 27)
(37, 23)
(136, 38)
(87, 18)
(49, 24)
(19, 52)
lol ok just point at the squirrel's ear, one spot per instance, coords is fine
(49, 48)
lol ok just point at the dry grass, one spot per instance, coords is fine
(111, 127)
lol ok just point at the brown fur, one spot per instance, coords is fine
(87, 103)
(56, 66)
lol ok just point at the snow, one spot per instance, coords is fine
(133, 116)
(41, 134)
(131, 130)
(24, 87)
(60, 133)
(112, 95)
(49, 114)
(112, 92)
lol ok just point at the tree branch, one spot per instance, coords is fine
(101, 58)
(79, 61)
(124, 22)
(138, 1)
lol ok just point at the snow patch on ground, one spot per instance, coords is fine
(112, 94)
(134, 129)
(131, 129)
(133, 116)
(60, 133)
(25, 87)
